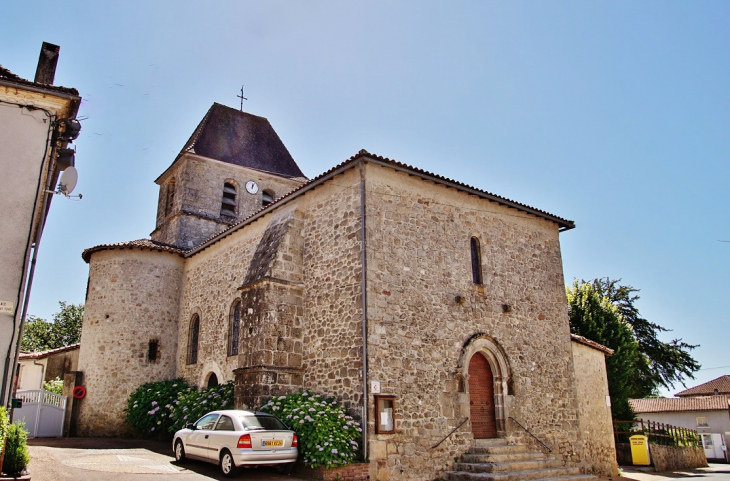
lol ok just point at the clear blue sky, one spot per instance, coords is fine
(613, 114)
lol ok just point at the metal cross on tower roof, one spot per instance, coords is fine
(242, 98)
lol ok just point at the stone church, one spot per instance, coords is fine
(433, 310)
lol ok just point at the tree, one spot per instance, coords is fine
(604, 311)
(65, 330)
(667, 362)
(594, 317)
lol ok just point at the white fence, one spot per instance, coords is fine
(42, 411)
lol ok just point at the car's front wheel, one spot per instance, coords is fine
(228, 467)
(179, 452)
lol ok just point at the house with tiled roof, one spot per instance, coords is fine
(38, 367)
(720, 385)
(374, 278)
(709, 415)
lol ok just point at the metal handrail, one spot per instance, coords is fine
(452, 432)
(528, 432)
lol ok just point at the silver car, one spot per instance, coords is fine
(233, 439)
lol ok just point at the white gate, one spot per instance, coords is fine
(43, 413)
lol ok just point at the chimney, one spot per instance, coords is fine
(47, 61)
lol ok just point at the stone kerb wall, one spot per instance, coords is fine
(133, 298)
(596, 428)
(670, 458)
(419, 260)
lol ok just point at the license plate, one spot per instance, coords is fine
(275, 442)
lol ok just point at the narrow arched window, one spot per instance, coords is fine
(228, 204)
(476, 261)
(170, 196)
(267, 197)
(193, 335)
(234, 328)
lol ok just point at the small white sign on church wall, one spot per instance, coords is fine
(7, 307)
(375, 387)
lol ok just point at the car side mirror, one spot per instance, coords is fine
(191, 426)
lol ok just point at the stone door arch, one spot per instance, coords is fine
(481, 357)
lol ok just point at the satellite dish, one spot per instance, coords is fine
(68, 180)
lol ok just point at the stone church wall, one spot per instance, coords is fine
(212, 279)
(133, 298)
(419, 260)
(596, 427)
(333, 294)
(305, 331)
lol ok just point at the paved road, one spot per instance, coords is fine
(93, 459)
(716, 472)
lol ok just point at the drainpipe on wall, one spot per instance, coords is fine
(365, 399)
(43, 371)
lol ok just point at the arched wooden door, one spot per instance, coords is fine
(481, 398)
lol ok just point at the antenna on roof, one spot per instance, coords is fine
(242, 98)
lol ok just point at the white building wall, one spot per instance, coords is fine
(718, 421)
(31, 374)
(23, 140)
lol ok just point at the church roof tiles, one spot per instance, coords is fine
(135, 244)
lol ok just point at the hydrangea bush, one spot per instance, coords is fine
(149, 408)
(192, 404)
(166, 406)
(327, 435)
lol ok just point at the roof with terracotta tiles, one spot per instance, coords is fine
(144, 244)
(722, 384)
(587, 342)
(563, 224)
(50, 352)
(365, 156)
(7, 75)
(661, 405)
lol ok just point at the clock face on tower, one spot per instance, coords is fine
(252, 187)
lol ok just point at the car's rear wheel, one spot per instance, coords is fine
(228, 466)
(179, 452)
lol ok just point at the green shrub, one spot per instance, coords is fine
(149, 408)
(166, 406)
(192, 404)
(55, 385)
(16, 449)
(3, 427)
(327, 435)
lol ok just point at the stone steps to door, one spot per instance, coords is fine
(501, 467)
(495, 460)
(562, 473)
(500, 458)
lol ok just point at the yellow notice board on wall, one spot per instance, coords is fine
(640, 450)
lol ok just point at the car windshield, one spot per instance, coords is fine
(261, 421)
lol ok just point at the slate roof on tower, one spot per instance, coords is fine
(240, 138)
